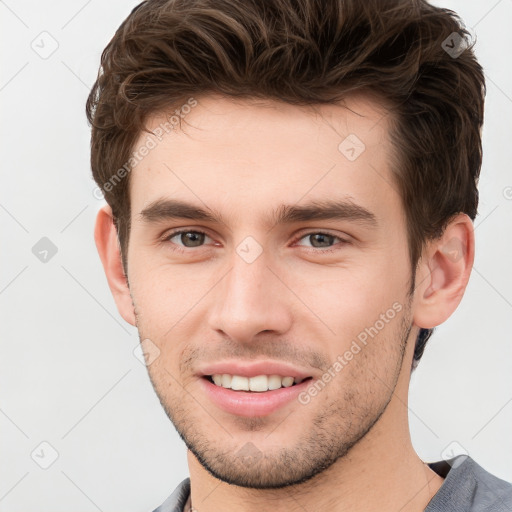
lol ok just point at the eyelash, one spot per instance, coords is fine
(166, 238)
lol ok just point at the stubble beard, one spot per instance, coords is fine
(336, 427)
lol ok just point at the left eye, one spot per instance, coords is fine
(320, 240)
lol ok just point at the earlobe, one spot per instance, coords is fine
(105, 236)
(443, 273)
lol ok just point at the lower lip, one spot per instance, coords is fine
(249, 404)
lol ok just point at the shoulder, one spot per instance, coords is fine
(176, 501)
(469, 487)
(491, 493)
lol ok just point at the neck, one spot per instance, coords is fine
(381, 472)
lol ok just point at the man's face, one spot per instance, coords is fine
(254, 294)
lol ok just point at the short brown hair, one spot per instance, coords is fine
(407, 52)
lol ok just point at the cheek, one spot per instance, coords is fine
(372, 359)
(167, 303)
(162, 294)
(351, 299)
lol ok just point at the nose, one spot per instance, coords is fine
(250, 300)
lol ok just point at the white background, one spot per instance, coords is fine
(68, 375)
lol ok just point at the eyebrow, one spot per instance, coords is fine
(341, 209)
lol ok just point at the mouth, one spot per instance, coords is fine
(260, 395)
(256, 384)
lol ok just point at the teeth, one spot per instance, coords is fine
(240, 383)
(225, 381)
(258, 384)
(274, 382)
(287, 382)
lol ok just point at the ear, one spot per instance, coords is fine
(443, 273)
(105, 236)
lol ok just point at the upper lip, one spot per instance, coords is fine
(252, 369)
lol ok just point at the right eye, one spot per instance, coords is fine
(186, 238)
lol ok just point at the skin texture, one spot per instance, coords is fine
(349, 447)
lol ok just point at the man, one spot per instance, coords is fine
(291, 188)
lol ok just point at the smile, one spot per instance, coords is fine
(237, 399)
(258, 384)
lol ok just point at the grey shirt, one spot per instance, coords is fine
(467, 487)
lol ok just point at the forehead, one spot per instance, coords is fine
(245, 155)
